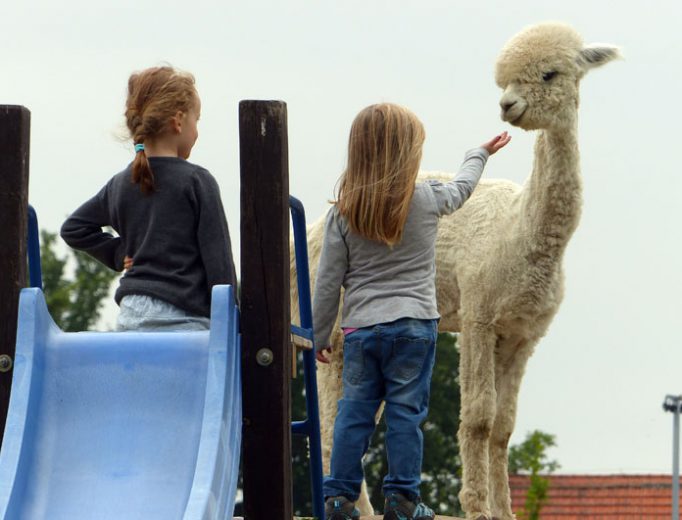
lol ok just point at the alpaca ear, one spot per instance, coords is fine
(596, 54)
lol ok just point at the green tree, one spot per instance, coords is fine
(74, 303)
(530, 457)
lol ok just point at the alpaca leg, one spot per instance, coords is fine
(363, 504)
(508, 381)
(477, 373)
(330, 390)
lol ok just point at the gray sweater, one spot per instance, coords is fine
(382, 284)
(177, 236)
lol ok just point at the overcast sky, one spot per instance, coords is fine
(598, 379)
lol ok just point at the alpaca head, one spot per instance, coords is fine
(540, 69)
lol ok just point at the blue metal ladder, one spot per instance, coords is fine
(310, 426)
(34, 272)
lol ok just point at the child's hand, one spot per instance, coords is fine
(496, 143)
(127, 263)
(323, 355)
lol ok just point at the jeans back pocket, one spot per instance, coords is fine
(407, 358)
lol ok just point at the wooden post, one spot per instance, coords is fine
(265, 313)
(15, 123)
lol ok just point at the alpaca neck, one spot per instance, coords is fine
(553, 194)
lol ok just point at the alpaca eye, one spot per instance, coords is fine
(548, 75)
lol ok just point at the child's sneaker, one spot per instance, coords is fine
(340, 508)
(397, 507)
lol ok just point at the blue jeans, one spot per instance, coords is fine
(392, 362)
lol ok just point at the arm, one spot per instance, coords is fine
(330, 274)
(213, 235)
(452, 195)
(83, 231)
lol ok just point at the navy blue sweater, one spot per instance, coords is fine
(177, 236)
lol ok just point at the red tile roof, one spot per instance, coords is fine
(611, 497)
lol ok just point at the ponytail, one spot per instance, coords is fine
(142, 172)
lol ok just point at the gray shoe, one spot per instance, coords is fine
(340, 508)
(397, 507)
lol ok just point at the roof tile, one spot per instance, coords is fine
(611, 497)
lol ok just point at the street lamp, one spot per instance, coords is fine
(673, 403)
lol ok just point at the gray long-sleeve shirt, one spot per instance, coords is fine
(177, 236)
(381, 283)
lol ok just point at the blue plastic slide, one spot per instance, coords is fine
(122, 426)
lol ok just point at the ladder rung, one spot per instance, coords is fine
(301, 427)
(302, 338)
(301, 342)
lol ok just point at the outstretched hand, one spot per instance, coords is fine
(496, 143)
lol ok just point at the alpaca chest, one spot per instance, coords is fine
(527, 309)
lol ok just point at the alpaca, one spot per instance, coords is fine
(499, 276)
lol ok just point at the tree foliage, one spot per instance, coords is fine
(530, 457)
(75, 303)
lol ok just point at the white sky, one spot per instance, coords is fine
(597, 380)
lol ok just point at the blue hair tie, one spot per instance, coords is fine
(139, 148)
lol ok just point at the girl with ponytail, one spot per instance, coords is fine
(173, 240)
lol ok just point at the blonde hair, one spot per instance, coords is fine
(384, 152)
(155, 95)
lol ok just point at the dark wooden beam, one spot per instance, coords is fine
(265, 313)
(15, 124)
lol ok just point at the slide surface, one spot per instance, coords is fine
(134, 425)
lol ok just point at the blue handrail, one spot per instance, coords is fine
(33, 250)
(311, 426)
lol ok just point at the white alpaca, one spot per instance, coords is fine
(499, 276)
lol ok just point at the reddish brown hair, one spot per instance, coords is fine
(155, 95)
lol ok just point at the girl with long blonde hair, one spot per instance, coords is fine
(379, 245)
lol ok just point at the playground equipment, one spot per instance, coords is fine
(35, 277)
(311, 425)
(121, 425)
(148, 425)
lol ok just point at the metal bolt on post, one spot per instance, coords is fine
(5, 363)
(264, 357)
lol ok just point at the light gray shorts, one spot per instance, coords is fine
(147, 314)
